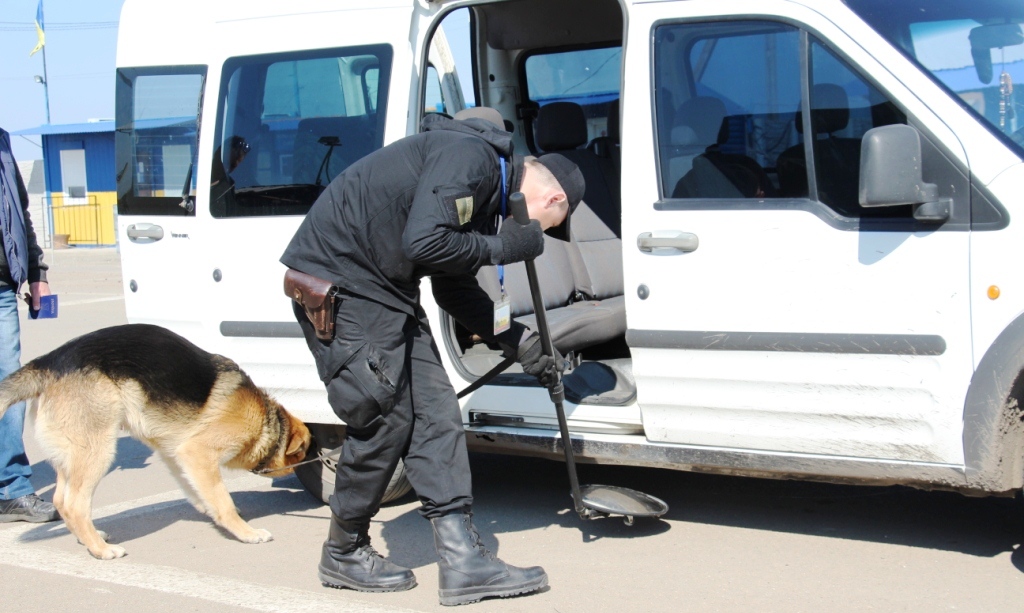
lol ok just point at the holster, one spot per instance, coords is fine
(317, 298)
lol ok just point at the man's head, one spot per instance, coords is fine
(239, 149)
(553, 187)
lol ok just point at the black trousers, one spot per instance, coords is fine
(385, 380)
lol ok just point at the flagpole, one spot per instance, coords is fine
(46, 87)
(41, 45)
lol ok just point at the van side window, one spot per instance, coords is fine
(587, 78)
(289, 123)
(725, 96)
(156, 139)
(844, 107)
(433, 98)
(730, 116)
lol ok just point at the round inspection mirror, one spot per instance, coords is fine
(622, 501)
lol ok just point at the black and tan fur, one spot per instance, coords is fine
(197, 410)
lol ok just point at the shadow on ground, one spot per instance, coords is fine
(539, 492)
(287, 497)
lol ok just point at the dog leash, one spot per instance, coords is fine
(263, 471)
(492, 373)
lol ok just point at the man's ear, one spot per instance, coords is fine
(554, 199)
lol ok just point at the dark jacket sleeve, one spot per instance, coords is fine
(435, 236)
(36, 267)
(463, 298)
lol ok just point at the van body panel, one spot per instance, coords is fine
(991, 266)
(787, 272)
(793, 342)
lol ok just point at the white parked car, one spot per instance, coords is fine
(798, 257)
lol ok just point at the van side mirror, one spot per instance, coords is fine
(890, 173)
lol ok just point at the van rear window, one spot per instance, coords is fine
(589, 78)
(157, 116)
(289, 123)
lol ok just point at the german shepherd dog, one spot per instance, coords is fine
(197, 410)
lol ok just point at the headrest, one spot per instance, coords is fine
(561, 126)
(482, 112)
(830, 109)
(613, 122)
(704, 114)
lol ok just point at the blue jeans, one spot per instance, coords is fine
(14, 467)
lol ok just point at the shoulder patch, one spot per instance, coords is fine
(457, 203)
(464, 206)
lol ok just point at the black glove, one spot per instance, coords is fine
(534, 362)
(519, 242)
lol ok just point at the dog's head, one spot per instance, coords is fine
(295, 441)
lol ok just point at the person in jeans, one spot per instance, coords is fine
(21, 260)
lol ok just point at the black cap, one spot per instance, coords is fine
(573, 184)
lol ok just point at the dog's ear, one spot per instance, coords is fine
(298, 438)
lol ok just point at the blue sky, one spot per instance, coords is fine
(79, 64)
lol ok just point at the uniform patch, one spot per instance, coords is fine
(465, 208)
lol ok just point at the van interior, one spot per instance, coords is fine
(557, 87)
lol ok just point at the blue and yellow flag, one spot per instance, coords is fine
(39, 29)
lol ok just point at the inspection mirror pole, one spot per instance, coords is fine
(594, 500)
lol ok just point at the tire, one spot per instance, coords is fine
(318, 477)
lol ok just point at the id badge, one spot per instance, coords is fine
(502, 315)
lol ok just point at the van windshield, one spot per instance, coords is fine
(974, 49)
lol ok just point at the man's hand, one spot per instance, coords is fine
(534, 362)
(36, 291)
(519, 242)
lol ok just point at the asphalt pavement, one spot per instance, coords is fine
(728, 543)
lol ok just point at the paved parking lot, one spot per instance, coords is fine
(728, 543)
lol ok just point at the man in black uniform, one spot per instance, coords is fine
(426, 205)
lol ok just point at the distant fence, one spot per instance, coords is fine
(79, 221)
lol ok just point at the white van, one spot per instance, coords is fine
(739, 297)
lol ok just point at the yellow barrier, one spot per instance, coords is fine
(86, 221)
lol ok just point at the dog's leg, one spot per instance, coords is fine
(201, 466)
(58, 500)
(87, 468)
(185, 485)
(58, 491)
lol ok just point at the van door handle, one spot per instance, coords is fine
(667, 242)
(145, 233)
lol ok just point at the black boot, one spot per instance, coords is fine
(349, 561)
(468, 572)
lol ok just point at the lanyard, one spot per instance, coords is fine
(504, 202)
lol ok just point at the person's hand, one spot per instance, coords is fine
(519, 242)
(36, 291)
(544, 367)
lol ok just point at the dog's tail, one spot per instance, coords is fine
(25, 383)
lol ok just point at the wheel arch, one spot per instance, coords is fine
(994, 415)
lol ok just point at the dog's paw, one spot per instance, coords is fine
(258, 535)
(103, 535)
(109, 552)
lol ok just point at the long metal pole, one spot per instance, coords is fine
(517, 204)
(46, 87)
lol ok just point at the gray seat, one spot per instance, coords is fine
(562, 128)
(581, 280)
(837, 159)
(696, 127)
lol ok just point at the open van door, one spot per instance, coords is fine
(759, 290)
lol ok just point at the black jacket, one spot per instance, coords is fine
(426, 205)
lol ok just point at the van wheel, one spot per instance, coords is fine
(318, 477)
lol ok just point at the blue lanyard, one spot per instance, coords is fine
(504, 202)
